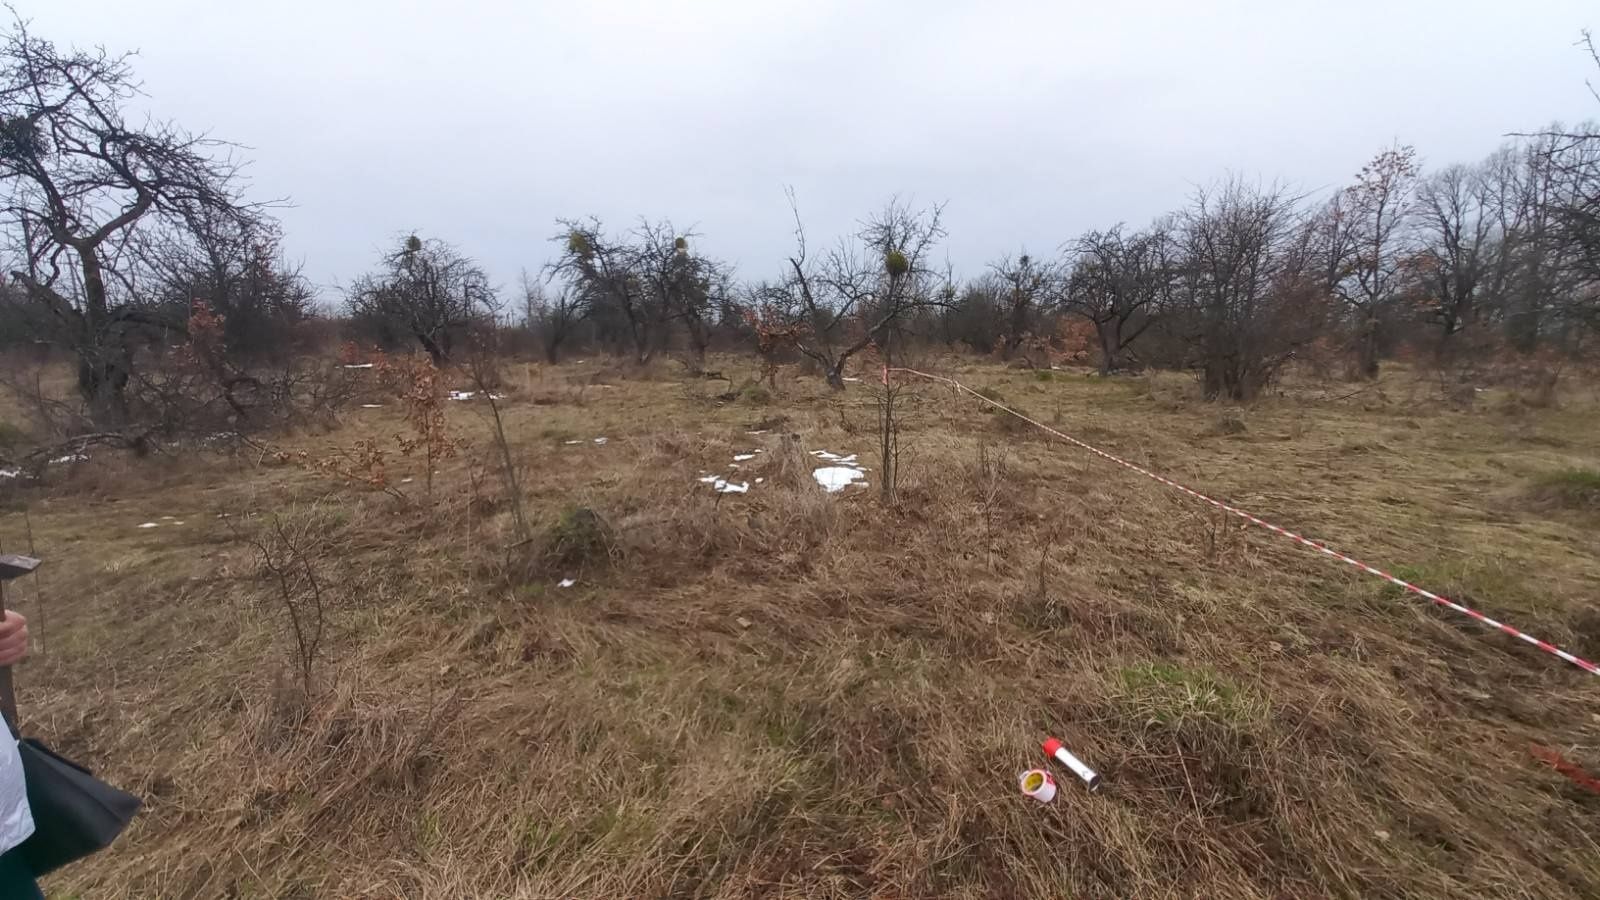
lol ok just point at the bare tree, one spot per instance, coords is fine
(1029, 289)
(603, 271)
(241, 275)
(425, 290)
(554, 319)
(83, 186)
(1120, 283)
(1371, 246)
(683, 286)
(1245, 278)
(1457, 241)
(858, 292)
(976, 316)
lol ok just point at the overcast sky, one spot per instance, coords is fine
(480, 122)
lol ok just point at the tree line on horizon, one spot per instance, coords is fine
(116, 232)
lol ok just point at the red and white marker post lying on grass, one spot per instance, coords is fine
(1091, 778)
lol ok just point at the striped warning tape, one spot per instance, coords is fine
(1319, 547)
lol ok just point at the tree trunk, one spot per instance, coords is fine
(103, 382)
(1110, 334)
(836, 375)
(1015, 332)
(436, 352)
(104, 360)
(641, 345)
(1367, 348)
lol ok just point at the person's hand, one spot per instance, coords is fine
(13, 638)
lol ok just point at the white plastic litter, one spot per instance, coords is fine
(568, 582)
(573, 442)
(10, 473)
(463, 395)
(843, 472)
(151, 525)
(71, 457)
(601, 440)
(372, 406)
(358, 365)
(837, 478)
(724, 486)
(741, 457)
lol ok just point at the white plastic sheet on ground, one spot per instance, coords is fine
(843, 472)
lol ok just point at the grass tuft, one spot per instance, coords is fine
(1169, 692)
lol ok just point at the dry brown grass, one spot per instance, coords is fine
(790, 694)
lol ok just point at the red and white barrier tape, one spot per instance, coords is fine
(1581, 663)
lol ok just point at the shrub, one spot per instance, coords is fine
(579, 536)
(1570, 488)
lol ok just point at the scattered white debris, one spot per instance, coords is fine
(372, 406)
(759, 480)
(742, 457)
(71, 457)
(759, 431)
(724, 486)
(463, 395)
(568, 582)
(601, 440)
(179, 522)
(358, 365)
(151, 525)
(407, 480)
(834, 457)
(10, 473)
(169, 518)
(569, 443)
(848, 378)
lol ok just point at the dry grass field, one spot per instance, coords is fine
(791, 693)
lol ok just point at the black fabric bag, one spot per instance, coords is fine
(74, 813)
